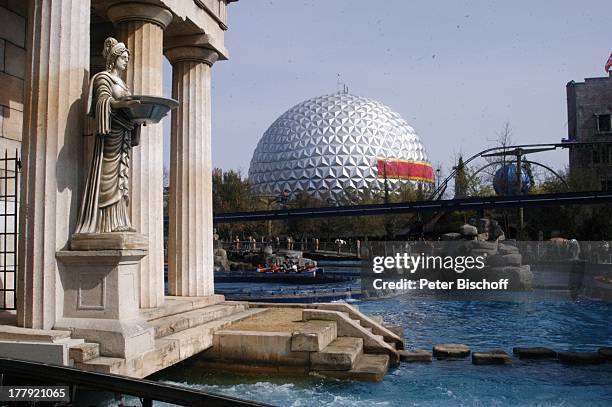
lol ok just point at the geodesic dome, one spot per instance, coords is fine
(334, 143)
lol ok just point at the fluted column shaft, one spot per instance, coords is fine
(190, 240)
(140, 27)
(58, 50)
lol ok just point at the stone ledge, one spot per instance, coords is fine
(15, 333)
(175, 305)
(109, 241)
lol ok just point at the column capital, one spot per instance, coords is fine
(151, 13)
(191, 53)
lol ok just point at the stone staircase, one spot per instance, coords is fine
(183, 328)
(295, 339)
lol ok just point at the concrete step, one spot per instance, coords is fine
(84, 352)
(168, 350)
(175, 305)
(358, 322)
(346, 327)
(371, 368)
(200, 337)
(340, 354)
(175, 323)
(367, 328)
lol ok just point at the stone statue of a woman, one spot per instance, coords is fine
(105, 201)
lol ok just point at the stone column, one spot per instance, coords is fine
(58, 73)
(190, 240)
(140, 26)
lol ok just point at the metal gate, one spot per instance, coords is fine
(9, 228)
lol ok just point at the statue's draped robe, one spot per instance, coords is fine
(106, 196)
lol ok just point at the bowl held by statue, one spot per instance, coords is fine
(150, 110)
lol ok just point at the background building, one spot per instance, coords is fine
(333, 144)
(589, 118)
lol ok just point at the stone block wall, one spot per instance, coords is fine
(13, 17)
(586, 100)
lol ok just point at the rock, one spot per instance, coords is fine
(507, 249)
(239, 266)
(468, 230)
(483, 252)
(519, 277)
(502, 260)
(450, 350)
(537, 352)
(491, 357)
(580, 358)
(479, 244)
(483, 225)
(605, 353)
(415, 355)
(450, 236)
(483, 236)
(496, 232)
(220, 260)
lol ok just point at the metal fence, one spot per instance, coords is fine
(10, 167)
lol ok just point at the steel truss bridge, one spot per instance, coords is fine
(440, 205)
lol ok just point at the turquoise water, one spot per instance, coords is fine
(559, 324)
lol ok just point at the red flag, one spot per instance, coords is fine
(401, 169)
(609, 64)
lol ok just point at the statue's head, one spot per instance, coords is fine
(116, 55)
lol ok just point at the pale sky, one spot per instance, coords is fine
(456, 71)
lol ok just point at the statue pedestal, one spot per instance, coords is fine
(102, 299)
(109, 241)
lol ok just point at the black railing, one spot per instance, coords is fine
(9, 225)
(147, 390)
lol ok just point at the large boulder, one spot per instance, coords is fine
(501, 260)
(483, 225)
(507, 249)
(220, 260)
(450, 236)
(468, 231)
(519, 277)
(479, 244)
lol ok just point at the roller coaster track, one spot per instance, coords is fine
(440, 205)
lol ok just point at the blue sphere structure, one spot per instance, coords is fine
(505, 180)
